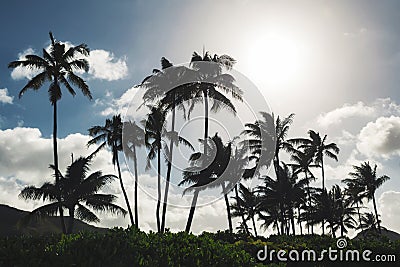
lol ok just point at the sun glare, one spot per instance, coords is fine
(275, 60)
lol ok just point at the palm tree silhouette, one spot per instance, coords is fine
(163, 88)
(302, 162)
(111, 135)
(369, 222)
(57, 67)
(281, 131)
(202, 174)
(211, 79)
(365, 177)
(133, 138)
(155, 136)
(78, 194)
(353, 193)
(246, 205)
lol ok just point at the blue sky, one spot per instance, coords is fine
(335, 64)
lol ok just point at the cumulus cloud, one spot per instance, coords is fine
(379, 107)
(103, 65)
(24, 158)
(4, 97)
(380, 138)
(389, 208)
(346, 111)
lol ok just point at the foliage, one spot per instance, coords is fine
(132, 247)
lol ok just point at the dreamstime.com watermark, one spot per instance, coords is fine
(331, 254)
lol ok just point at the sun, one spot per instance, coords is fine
(275, 59)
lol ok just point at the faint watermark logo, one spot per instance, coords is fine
(330, 254)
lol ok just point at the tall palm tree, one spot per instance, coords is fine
(110, 134)
(318, 147)
(302, 162)
(56, 66)
(155, 137)
(133, 138)
(365, 177)
(281, 132)
(211, 79)
(78, 192)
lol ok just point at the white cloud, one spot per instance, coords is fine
(24, 158)
(346, 111)
(389, 209)
(20, 73)
(4, 97)
(103, 65)
(380, 138)
(379, 107)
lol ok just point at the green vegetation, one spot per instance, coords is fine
(132, 247)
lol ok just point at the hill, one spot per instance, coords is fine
(10, 217)
(391, 235)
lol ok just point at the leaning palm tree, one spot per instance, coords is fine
(133, 138)
(111, 135)
(353, 193)
(78, 194)
(206, 171)
(365, 177)
(56, 66)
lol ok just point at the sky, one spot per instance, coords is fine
(335, 64)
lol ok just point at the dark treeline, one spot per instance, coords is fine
(285, 201)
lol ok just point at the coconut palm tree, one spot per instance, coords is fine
(56, 66)
(318, 147)
(302, 162)
(365, 177)
(133, 138)
(78, 194)
(202, 174)
(110, 135)
(369, 222)
(281, 131)
(155, 137)
(354, 196)
(210, 79)
(247, 205)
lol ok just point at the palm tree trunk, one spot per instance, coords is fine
(254, 226)
(241, 210)
(228, 210)
(376, 213)
(55, 156)
(205, 120)
(293, 223)
(323, 188)
(169, 168)
(71, 220)
(333, 232)
(191, 213)
(158, 189)
(123, 190)
(299, 221)
(359, 218)
(136, 187)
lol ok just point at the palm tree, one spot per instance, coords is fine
(281, 131)
(57, 67)
(246, 205)
(353, 193)
(202, 174)
(111, 135)
(211, 79)
(133, 138)
(78, 192)
(302, 162)
(343, 211)
(262, 140)
(155, 135)
(318, 147)
(365, 177)
(369, 222)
